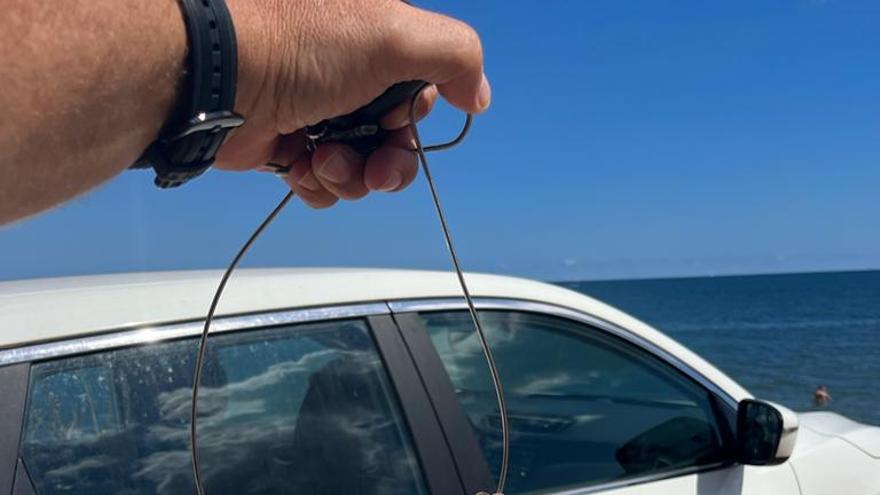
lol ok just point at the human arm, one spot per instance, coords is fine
(88, 84)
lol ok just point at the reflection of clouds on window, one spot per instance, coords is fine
(545, 384)
(584, 407)
(71, 470)
(246, 396)
(301, 410)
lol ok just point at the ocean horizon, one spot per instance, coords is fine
(780, 335)
(712, 275)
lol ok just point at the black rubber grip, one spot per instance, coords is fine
(360, 129)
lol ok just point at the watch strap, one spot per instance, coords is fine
(188, 144)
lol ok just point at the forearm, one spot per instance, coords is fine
(85, 86)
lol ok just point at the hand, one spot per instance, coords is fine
(303, 61)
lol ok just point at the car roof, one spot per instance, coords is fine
(57, 308)
(40, 310)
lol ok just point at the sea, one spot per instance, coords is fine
(780, 336)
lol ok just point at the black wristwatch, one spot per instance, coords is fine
(188, 143)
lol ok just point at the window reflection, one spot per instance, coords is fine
(583, 407)
(288, 410)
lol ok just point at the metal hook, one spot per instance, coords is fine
(282, 170)
(209, 318)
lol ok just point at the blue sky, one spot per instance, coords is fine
(626, 139)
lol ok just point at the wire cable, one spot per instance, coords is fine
(484, 343)
(209, 318)
(203, 341)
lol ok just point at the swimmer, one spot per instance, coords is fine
(821, 397)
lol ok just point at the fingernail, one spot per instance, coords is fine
(309, 182)
(421, 108)
(335, 168)
(393, 182)
(485, 96)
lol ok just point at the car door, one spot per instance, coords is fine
(591, 409)
(331, 406)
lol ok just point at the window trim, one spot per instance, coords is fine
(13, 388)
(161, 332)
(447, 304)
(462, 442)
(640, 480)
(428, 440)
(406, 313)
(127, 337)
(23, 483)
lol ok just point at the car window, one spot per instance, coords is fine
(296, 409)
(584, 407)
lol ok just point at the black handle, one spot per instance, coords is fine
(360, 129)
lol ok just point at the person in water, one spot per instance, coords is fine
(821, 397)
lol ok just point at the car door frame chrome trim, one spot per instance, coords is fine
(446, 304)
(145, 335)
(640, 480)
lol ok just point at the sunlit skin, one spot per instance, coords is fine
(87, 87)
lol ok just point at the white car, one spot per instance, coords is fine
(342, 381)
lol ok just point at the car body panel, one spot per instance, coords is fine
(864, 437)
(833, 466)
(828, 458)
(831, 454)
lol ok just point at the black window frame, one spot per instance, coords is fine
(442, 392)
(14, 382)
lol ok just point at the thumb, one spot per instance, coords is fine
(440, 50)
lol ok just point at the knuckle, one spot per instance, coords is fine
(470, 37)
(469, 46)
(442, 39)
(397, 43)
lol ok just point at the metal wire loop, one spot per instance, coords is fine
(209, 318)
(481, 334)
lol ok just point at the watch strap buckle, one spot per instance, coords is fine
(212, 122)
(170, 175)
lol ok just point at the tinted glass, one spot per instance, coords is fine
(584, 407)
(303, 409)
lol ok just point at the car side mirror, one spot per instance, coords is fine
(765, 432)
